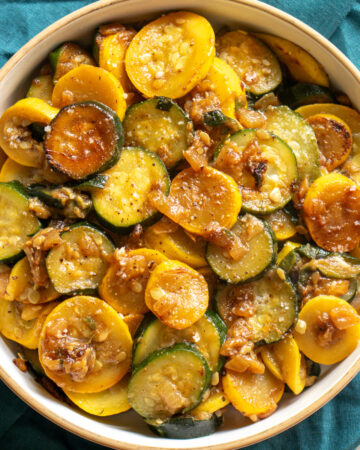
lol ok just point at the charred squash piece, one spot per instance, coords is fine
(334, 139)
(332, 212)
(84, 139)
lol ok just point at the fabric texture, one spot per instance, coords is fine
(336, 425)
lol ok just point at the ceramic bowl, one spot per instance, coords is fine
(128, 431)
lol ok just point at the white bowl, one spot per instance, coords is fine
(128, 431)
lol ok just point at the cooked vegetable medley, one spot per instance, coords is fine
(174, 235)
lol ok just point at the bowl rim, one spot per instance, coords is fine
(243, 441)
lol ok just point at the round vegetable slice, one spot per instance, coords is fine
(85, 346)
(23, 323)
(168, 382)
(208, 334)
(332, 329)
(304, 94)
(298, 134)
(170, 55)
(161, 126)
(263, 166)
(281, 224)
(334, 139)
(332, 212)
(22, 288)
(177, 294)
(301, 65)
(220, 90)
(83, 139)
(41, 87)
(254, 395)
(113, 41)
(80, 261)
(186, 427)
(15, 137)
(67, 57)
(289, 360)
(17, 224)
(89, 83)
(105, 403)
(259, 252)
(255, 64)
(198, 199)
(124, 283)
(268, 306)
(174, 243)
(212, 404)
(124, 200)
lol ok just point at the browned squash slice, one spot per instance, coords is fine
(332, 213)
(84, 138)
(331, 329)
(334, 139)
(254, 395)
(85, 346)
(123, 285)
(198, 199)
(177, 294)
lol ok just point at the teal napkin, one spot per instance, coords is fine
(336, 425)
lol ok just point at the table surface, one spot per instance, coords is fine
(336, 425)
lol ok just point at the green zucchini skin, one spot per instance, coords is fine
(187, 360)
(274, 155)
(56, 259)
(292, 128)
(161, 126)
(52, 152)
(14, 199)
(96, 182)
(44, 194)
(274, 314)
(186, 427)
(237, 272)
(152, 335)
(110, 211)
(66, 57)
(301, 94)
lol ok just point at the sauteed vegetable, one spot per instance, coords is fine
(175, 235)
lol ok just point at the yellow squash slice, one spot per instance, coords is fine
(90, 83)
(15, 137)
(105, 403)
(170, 55)
(177, 294)
(332, 329)
(85, 346)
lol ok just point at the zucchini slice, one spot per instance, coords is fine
(259, 252)
(299, 135)
(161, 126)
(263, 166)
(186, 427)
(84, 138)
(124, 200)
(255, 64)
(304, 94)
(273, 301)
(337, 265)
(41, 87)
(17, 223)
(67, 57)
(208, 334)
(169, 381)
(282, 224)
(78, 264)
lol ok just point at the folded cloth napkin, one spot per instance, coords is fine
(336, 425)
